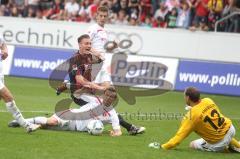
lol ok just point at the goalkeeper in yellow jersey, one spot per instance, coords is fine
(205, 119)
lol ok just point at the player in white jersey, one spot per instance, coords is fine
(99, 37)
(7, 97)
(78, 119)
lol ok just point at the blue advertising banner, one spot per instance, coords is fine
(209, 77)
(37, 62)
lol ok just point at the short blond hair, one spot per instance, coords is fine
(102, 9)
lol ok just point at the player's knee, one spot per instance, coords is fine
(6, 95)
(52, 121)
(192, 145)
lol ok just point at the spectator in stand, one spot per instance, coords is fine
(147, 22)
(172, 18)
(232, 24)
(92, 9)
(45, 6)
(201, 15)
(134, 8)
(84, 6)
(133, 21)
(119, 5)
(71, 10)
(146, 10)
(32, 3)
(39, 14)
(56, 11)
(14, 11)
(83, 12)
(121, 18)
(83, 17)
(2, 8)
(172, 4)
(31, 12)
(183, 18)
(215, 8)
(115, 6)
(20, 4)
(155, 4)
(159, 22)
(161, 12)
(6, 9)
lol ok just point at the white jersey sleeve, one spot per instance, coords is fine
(111, 117)
(114, 120)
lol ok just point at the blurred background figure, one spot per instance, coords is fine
(71, 10)
(56, 10)
(200, 20)
(183, 18)
(215, 8)
(172, 18)
(121, 18)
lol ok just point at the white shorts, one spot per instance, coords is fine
(65, 125)
(201, 144)
(70, 125)
(103, 76)
(2, 82)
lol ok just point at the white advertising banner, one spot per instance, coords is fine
(142, 71)
(144, 41)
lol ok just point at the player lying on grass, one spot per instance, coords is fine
(80, 74)
(7, 96)
(78, 119)
(204, 118)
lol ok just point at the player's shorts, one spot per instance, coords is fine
(70, 125)
(201, 144)
(65, 125)
(2, 82)
(103, 76)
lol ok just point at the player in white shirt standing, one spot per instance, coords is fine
(7, 97)
(99, 37)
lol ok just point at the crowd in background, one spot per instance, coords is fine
(188, 14)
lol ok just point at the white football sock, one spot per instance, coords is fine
(12, 108)
(38, 120)
(68, 85)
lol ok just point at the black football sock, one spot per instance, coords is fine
(123, 123)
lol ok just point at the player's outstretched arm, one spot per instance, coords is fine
(84, 82)
(184, 130)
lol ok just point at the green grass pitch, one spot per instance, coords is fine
(36, 95)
